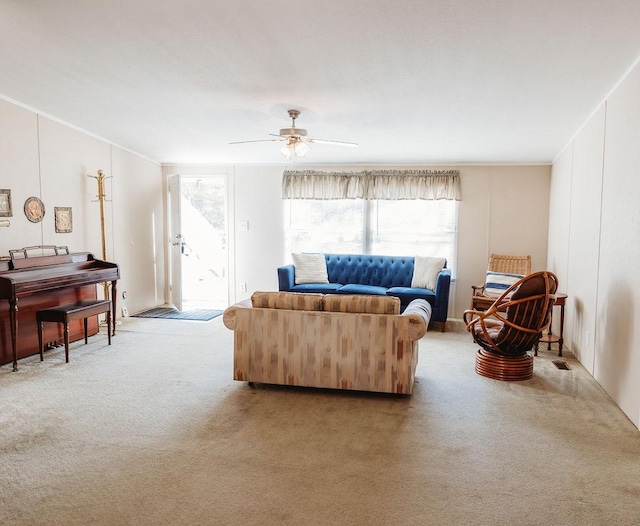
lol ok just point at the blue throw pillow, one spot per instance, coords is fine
(497, 282)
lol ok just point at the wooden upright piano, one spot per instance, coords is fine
(30, 283)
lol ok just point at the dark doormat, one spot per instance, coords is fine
(171, 313)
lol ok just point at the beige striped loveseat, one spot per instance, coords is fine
(336, 341)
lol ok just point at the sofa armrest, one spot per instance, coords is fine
(229, 317)
(419, 313)
(443, 284)
(286, 277)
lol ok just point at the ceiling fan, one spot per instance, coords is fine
(296, 140)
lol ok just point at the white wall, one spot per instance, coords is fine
(44, 158)
(67, 156)
(19, 172)
(583, 248)
(258, 252)
(138, 226)
(594, 240)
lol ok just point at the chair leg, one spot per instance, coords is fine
(109, 326)
(40, 344)
(66, 342)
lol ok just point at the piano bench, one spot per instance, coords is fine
(80, 310)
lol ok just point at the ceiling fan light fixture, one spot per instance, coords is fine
(287, 152)
(300, 148)
(293, 148)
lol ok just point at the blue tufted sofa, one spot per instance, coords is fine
(376, 275)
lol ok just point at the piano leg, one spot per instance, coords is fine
(114, 297)
(13, 320)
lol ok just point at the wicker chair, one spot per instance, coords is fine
(511, 326)
(518, 265)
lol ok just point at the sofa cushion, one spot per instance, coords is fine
(361, 303)
(286, 300)
(322, 288)
(365, 269)
(425, 272)
(408, 294)
(493, 329)
(310, 268)
(533, 286)
(354, 288)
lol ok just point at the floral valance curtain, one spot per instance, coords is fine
(376, 184)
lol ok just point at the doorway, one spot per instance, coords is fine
(199, 241)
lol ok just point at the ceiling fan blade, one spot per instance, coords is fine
(259, 140)
(336, 143)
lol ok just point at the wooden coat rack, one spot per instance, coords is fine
(101, 199)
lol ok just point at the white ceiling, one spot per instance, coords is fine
(412, 81)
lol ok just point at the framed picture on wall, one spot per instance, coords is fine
(5, 203)
(63, 219)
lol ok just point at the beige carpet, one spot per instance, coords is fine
(153, 431)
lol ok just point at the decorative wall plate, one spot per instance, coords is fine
(34, 209)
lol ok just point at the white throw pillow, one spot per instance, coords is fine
(310, 268)
(425, 272)
(497, 282)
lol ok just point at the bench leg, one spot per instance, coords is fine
(86, 339)
(66, 342)
(40, 345)
(109, 326)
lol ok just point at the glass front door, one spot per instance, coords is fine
(199, 241)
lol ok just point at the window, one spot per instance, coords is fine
(334, 225)
(385, 227)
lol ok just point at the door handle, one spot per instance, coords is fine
(180, 241)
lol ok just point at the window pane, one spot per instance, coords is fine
(335, 225)
(415, 228)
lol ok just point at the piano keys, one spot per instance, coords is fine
(28, 284)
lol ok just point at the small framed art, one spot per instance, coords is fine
(5, 203)
(63, 219)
